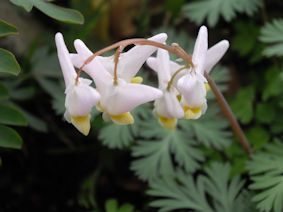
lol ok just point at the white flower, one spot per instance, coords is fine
(117, 100)
(191, 83)
(168, 108)
(80, 96)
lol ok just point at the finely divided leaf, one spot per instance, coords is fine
(209, 192)
(8, 63)
(267, 174)
(212, 10)
(271, 34)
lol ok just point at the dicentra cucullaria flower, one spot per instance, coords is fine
(189, 81)
(118, 98)
(181, 92)
(80, 96)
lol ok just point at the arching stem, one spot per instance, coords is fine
(174, 49)
(229, 115)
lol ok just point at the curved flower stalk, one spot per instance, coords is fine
(80, 96)
(191, 82)
(120, 96)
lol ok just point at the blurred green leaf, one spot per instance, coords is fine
(4, 93)
(7, 29)
(26, 4)
(9, 138)
(212, 10)
(273, 83)
(59, 13)
(242, 104)
(258, 136)
(111, 205)
(11, 115)
(271, 33)
(54, 11)
(265, 113)
(245, 40)
(8, 63)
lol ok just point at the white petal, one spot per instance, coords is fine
(169, 106)
(200, 49)
(125, 97)
(131, 61)
(163, 68)
(80, 99)
(193, 90)
(214, 54)
(67, 67)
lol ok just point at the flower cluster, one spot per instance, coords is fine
(181, 92)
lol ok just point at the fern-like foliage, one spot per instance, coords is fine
(159, 147)
(209, 192)
(121, 136)
(161, 150)
(271, 34)
(267, 174)
(212, 10)
(210, 130)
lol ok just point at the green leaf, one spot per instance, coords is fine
(111, 205)
(242, 104)
(273, 83)
(9, 138)
(159, 147)
(26, 4)
(258, 136)
(265, 113)
(271, 34)
(266, 172)
(8, 63)
(59, 13)
(11, 115)
(185, 192)
(121, 136)
(4, 93)
(210, 129)
(245, 41)
(212, 10)
(7, 29)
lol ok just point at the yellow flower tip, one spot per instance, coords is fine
(82, 123)
(168, 123)
(207, 87)
(137, 80)
(192, 113)
(123, 119)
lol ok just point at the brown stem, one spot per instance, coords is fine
(229, 115)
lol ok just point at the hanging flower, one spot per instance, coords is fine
(80, 96)
(191, 83)
(168, 108)
(120, 96)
